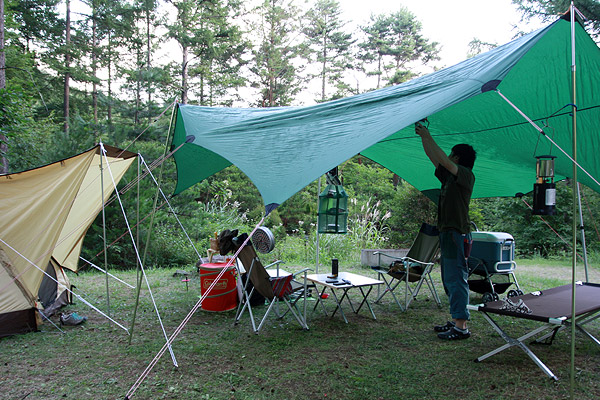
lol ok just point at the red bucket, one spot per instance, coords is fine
(223, 296)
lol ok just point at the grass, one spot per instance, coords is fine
(395, 356)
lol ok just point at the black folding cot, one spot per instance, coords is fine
(553, 307)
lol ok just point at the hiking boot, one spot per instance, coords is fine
(71, 319)
(454, 334)
(444, 328)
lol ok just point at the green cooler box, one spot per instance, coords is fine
(496, 250)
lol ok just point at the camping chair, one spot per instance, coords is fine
(277, 287)
(413, 270)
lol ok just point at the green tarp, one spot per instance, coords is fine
(284, 149)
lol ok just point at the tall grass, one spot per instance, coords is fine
(366, 230)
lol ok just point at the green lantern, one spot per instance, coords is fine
(333, 210)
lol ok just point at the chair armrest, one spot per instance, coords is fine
(302, 271)
(380, 254)
(274, 264)
(412, 260)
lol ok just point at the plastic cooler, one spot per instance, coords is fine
(496, 249)
(223, 296)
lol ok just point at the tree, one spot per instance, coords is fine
(549, 9)
(186, 31)
(134, 32)
(118, 22)
(218, 55)
(67, 75)
(275, 74)
(330, 45)
(3, 138)
(476, 46)
(392, 41)
(2, 56)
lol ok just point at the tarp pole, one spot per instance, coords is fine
(104, 231)
(318, 244)
(137, 212)
(198, 304)
(574, 259)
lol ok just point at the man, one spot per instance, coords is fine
(455, 173)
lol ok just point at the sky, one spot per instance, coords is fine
(452, 23)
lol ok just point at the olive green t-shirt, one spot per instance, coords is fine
(453, 205)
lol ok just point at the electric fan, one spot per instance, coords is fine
(263, 240)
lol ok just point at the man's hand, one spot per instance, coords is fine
(421, 130)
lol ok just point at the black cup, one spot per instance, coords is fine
(334, 266)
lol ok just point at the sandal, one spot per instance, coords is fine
(444, 328)
(454, 334)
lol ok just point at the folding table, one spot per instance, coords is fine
(553, 307)
(344, 281)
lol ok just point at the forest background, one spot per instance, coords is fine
(74, 73)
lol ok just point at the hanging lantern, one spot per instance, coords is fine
(333, 210)
(544, 189)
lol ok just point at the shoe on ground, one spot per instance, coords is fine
(444, 328)
(72, 319)
(454, 334)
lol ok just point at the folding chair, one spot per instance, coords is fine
(413, 270)
(277, 287)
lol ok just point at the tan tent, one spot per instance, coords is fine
(45, 213)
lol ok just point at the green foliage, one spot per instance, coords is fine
(28, 137)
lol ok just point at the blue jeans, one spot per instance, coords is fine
(455, 272)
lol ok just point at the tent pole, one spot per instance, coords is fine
(582, 231)
(143, 262)
(137, 254)
(138, 264)
(574, 259)
(104, 230)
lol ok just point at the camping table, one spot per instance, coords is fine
(346, 282)
(552, 307)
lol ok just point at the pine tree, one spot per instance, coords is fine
(218, 54)
(330, 46)
(392, 41)
(274, 72)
